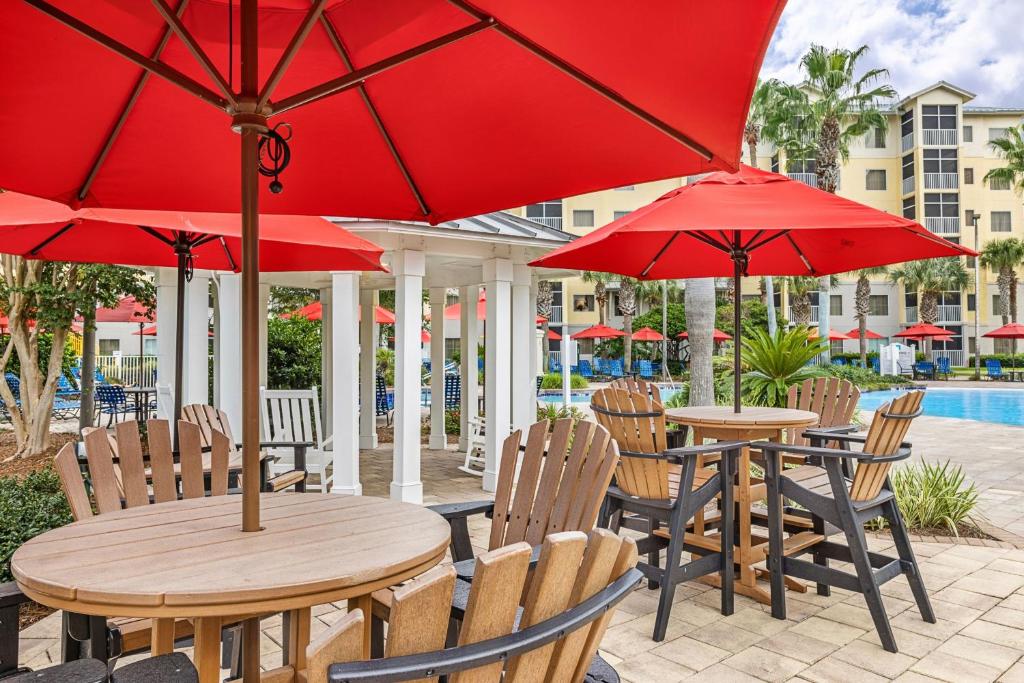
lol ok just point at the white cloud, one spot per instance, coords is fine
(974, 44)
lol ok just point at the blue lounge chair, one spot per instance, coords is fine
(994, 369)
(600, 366)
(384, 402)
(644, 369)
(452, 392)
(942, 366)
(585, 369)
(615, 369)
(838, 361)
(112, 402)
(554, 365)
(925, 369)
(426, 364)
(876, 365)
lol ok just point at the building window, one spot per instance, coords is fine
(999, 183)
(875, 139)
(878, 304)
(801, 166)
(625, 188)
(972, 302)
(996, 306)
(149, 347)
(938, 116)
(875, 179)
(110, 347)
(585, 347)
(909, 208)
(835, 304)
(968, 176)
(775, 163)
(941, 205)
(451, 347)
(1001, 221)
(908, 167)
(621, 214)
(583, 218)
(1002, 346)
(996, 134)
(583, 303)
(548, 213)
(907, 123)
(939, 160)
(968, 133)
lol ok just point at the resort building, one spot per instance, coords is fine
(928, 165)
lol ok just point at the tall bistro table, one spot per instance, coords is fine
(190, 559)
(721, 423)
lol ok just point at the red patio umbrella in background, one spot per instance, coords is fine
(1012, 331)
(868, 334)
(151, 331)
(922, 331)
(554, 336)
(315, 311)
(647, 334)
(716, 336)
(128, 310)
(156, 131)
(752, 222)
(833, 335)
(598, 332)
(454, 311)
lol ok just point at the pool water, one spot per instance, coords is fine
(579, 396)
(1003, 406)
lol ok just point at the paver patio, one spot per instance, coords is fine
(977, 593)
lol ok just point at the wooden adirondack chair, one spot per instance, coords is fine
(638, 386)
(833, 399)
(566, 608)
(667, 487)
(292, 416)
(847, 504)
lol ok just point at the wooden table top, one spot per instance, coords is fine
(190, 558)
(750, 417)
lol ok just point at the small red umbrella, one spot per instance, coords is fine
(598, 332)
(454, 312)
(868, 334)
(151, 332)
(923, 331)
(315, 311)
(832, 336)
(716, 336)
(1012, 331)
(647, 334)
(554, 336)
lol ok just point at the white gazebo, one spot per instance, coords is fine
(488, 252)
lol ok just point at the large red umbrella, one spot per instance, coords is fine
(922, 331)
(454, 311)
(752, 222)
(315, 311)
(38, 228)
(647, 334)
(868, 334)
(1012, 331)
(598, 332)
(155, 131)
(833, 335)
(554, 336)
(716, 336)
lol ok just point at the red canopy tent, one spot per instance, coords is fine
(598, 332)
(156, 130)
(752, 222)
(716, 336)
(315, 311)
(647, 334)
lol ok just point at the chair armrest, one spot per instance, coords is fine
(466, 569)
(452, 511)
(816, 452)
(11, 595)
(677, 455)
(843, 432)
(286, 444)
(284, 481)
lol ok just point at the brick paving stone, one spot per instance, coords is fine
(829, 631)
(832, 670)
(959, 596)
(1006, 617)
(723, 636)
(1015, 674)
(757, 621)
(912, 621)
(954, 669)
(996, 633)
(765, 665)
(798, 646)
(647, 667)
(989, 582)
(997, 656)
(720, 673)
(691, 653)
(851, 615)
(867, 656)
(909, 643)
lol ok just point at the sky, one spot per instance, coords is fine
(975, 44)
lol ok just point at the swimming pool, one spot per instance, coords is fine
(1003, 406)
(583, 396)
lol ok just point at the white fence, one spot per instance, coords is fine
(956, 357)
(949, 225)
(941, 181)
(556, 314)
(939, 136)
(550, 221)
(949, 313)
(908, 141)
(128, 370)
(908, 185)
(805, 178)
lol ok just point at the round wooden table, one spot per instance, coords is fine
(190, 559)
(721, 423)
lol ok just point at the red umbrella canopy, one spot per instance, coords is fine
(424, 337)
(554, 336)
(315, 311)
(868, 334)
(923, 331)
(833, 335)
(785, 226)
(647, 334)
(38, 228)
(1010, 331)
(598, 332)
(128, 310)
(716, 336)
(454, 312)
(151, 332)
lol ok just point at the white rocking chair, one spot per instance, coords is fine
(291, 415)
(475, 461)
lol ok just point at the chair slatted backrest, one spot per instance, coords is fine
(209, 420)
(833, 399)
(637, 425)
(886, 433)
(124, 479)
(563, 477)
(291, 415)
(638, 386)
(572, 568)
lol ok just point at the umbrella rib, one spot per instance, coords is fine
(227, 252)
(335, 39)
(709, 241)
(314, 13)
(350, 80)
(751, 246)
(148, 230)
(807, 264)
(34, 251)
(123, 118)
(595, 85)
(927, 235)
(162, 70)
(657, 256)
(174, 21)
(746, 247)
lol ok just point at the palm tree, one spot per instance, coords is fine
(800, 289)
(545, 301)
(929, 278)
(1003, 256)
(700, 324)
(627, 307)
(862, 304)
(1011, 149)
(600, 282)
(834, 105)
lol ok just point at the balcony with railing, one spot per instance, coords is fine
(805, 178)
(556, 314)
(814, 314)
(949, 313)
(907, 141)
(911, 314)
(939, 136)
(550, 221)
(949, 225)
(941, 181)
(908, 185)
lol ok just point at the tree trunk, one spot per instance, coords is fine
(863, 302)
(800, 308)
(769, 295)
(627, 342)
(929, 312)
(700, 325)
(544, 306)
(1005, 281)
(827, 170)
(1013, 296)
(601, 299)
(88, 383)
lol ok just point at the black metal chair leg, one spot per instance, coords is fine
(775, 563)
(668, 581)
(906, 554)
(98, 639)
(654, 556)
(869, 587)
(818, 527)
(728, 572)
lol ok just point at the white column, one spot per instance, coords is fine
(196, 375)
(535, 348)
(327, 361)
(264, 311)
(230, 365)
(345, 382)
(469, 332)
(524, 412)
(409, 267)
(368, 334)
(166, 306)
(437, 435)
(497, 368)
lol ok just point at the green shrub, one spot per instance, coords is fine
(293, 353)
(29, 506)
(777, 362)
(933, 496)
(553, 380)
(866, 380)
(556, 411)
(386, 365)
(453, 421)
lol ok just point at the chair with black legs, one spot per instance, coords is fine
(662, 489)
(822, 487)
